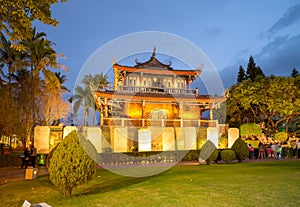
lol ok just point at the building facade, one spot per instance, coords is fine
(152, 93)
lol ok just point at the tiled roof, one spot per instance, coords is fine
(158, 72)
(154, 66)
(158, 96)
(153, 63)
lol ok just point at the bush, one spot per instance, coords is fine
(280, 136)
(227, 155)
(150, 156)
(250, 129)
(49, 156)
(70, 164)
(223, 141)
(213, 157)
(241, 149)
(10, 160)
(192, 155)
(207, 150)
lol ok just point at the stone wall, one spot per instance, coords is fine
(127, 139)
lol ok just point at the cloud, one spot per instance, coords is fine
(211, 32)
(291, 16)
(229, 73)
(278, 57)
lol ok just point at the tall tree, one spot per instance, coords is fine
(82, 98)
(95, 82)
(294, 73)
(43, 58)
(62, 79)
(17, 16)
(10, 122)
(253, 72)
(53, 107)
(28, 104)
(10, 58)
(60, 106)
(241, 75)
(261, 99)
(37, 97)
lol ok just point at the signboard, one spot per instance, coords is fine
(41, 139)
(144, 140)
(213, 135)
(233, 135)
(159, 114)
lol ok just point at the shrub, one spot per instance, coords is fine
(223, 141)
(250, 129)
(191, 155)
(10, 160)
(207, 150)
(241, 149)
(227, 155)
(49, 156)
(70, 164)
(280, 136)
(213, 157)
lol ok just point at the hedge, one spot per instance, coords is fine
(280, 136)
(250, 129)
(107, 158)
(228, 155)
(10, 160)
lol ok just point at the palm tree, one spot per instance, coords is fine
(82, 98)
(84, 95)
(95, 82)
(62, 79)
(42, 57)
(10, 57)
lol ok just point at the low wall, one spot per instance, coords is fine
(129, 139)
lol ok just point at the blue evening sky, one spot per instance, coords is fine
(227, 31)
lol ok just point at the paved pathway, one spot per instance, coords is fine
(9, 174)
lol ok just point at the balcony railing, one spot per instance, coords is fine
(156, 89)
(159, 122)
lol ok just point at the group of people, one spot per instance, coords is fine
(28, 157)
(266, 151)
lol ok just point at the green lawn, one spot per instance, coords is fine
(274, 183)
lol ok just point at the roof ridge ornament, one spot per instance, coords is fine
(137, 61)
(199, 68)
(154, 52)
(153, 62)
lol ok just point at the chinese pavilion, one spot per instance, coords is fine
(152, 93)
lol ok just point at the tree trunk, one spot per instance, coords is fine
(68, 192)
(85, 116)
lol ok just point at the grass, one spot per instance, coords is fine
(274, 183)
